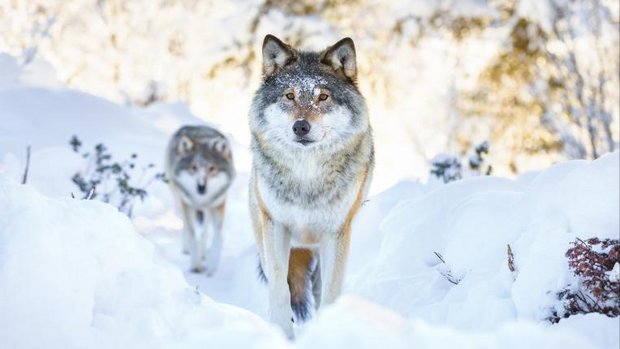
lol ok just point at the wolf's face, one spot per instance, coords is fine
(308, 100)
(201, 172)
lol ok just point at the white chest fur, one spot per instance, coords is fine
(308, 223)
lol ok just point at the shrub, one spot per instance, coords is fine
(596, 265)
(112, 181)
(448, 168)
(476, 160)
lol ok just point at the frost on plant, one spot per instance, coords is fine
(446, 167)
(112, 181)
(449, 168)
(476, 161)
(595, 264)
(444, 269)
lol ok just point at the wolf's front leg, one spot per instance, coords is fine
(216, 216)
(333, 260)
(316, 286)
(197, 241)
(277, 246)
(188, 227)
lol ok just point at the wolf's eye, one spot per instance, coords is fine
(290, 96)
(323, 97)
(193, 168)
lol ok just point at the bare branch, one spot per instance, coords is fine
(511, 259)
(439, 256)
(25, 177)
(445, 271)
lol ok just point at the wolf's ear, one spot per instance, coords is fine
(341, 57)
(221, 146)
(185, 145)
(276, 54)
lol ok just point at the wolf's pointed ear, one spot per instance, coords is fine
(221, 146)
(185, 145)
(276, 54)
(341, 57)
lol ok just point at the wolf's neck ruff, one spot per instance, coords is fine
(310, 176)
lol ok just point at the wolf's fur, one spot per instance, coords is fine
(200, 170)
(312, 164)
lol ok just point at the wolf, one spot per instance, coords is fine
(199, 168)
(313, 158)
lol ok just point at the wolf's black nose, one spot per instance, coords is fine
(202, 188)
(301, 127)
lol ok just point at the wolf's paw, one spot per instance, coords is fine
(197, 269)
(288, 330)
(211, 267)
(284, 318)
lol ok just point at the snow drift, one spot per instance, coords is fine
(459, 233)
(75, 274)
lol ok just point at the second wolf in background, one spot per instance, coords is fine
(200, 169)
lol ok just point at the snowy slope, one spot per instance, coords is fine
(76, 273)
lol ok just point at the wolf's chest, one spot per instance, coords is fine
(308, 204)
(308, 213)
(308, 185)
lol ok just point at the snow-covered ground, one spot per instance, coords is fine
(78, 274)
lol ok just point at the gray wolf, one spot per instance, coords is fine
(200, 169)
(313, 158)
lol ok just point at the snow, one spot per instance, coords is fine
(355, 323)
(76, 273)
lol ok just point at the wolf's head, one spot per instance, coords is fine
(203, 168)
(308, 100)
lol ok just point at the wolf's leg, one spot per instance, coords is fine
(316, 286)
(202, 232)
(196, 241)
(276, 244)
(333, 259)
(188, 228)
(216, 216)
(335, 250)
(300, 267)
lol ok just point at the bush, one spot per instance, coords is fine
(448, 168)
(111, 181)
(476, 161)
(596, 264)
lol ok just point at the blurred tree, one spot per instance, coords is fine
(549, 90)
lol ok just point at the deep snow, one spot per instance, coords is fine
(76, 273)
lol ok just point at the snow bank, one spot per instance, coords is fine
(74, 273)
(355, 323)
(577, 199)
(442, 255)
